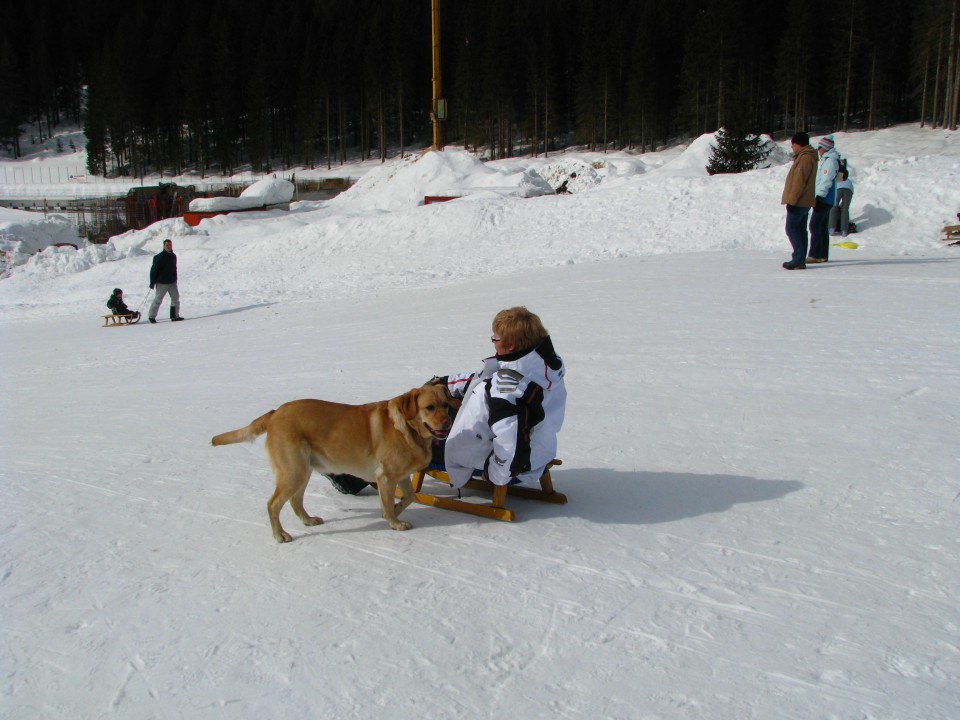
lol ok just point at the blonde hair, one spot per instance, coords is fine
(519, 327)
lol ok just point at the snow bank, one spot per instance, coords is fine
(578, 174)
(23, 234)
(378, 234)
(405, 182)
(263, 193)
(692, 162)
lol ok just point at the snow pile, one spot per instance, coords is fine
(693, 161)
(379, 234)
(404, 183)
(263, 193)
(577, 174)
(23, 234)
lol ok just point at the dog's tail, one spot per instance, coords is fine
(255, 429)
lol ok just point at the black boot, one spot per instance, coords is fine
(347, 484)
(174, 316)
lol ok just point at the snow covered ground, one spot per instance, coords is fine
(762, 465)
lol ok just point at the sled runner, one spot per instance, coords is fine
(118, 320)
(496, 508)
(951, 234)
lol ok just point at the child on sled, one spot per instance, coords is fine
(512, 409)
(119, 307)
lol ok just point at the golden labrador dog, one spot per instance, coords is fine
(381, 442)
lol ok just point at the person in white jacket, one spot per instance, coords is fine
(512, 408)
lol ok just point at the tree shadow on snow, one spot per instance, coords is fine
(648, 498)
(231, 311)
(846, 262)
(872, 216)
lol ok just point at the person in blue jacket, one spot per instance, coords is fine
(826, 191)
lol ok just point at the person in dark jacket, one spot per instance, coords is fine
(119, 307)
(163, 277)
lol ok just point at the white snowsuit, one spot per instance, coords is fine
(511, 413)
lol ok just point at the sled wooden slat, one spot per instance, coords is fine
(495, 509)
(951, 234)
(117, 320)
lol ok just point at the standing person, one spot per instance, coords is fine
(840, 215)
(826, 197)
(798, 196)
(163, 275)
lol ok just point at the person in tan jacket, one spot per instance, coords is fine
(798, 196)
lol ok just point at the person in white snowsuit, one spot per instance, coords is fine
(512, 408)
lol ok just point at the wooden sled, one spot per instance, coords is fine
(951, 234)
(496, 508)
(118, 320)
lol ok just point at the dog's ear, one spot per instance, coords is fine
(407, 404)
(447, 395)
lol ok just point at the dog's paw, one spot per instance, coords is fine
(283, 536)
(401, 525)
(313, 520)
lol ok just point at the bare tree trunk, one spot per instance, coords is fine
(926, 77)
(381, 128)
(873, 89)
(846, 102)
(501, 129)
(400, 116)
(954, 96)
(719, 89)
(956, 93)
(546, 133)
(606, 106)
(536, 118)
(328, 128)
(340, 130)
(951, 49)
(936, 80)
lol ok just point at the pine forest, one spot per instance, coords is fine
(213, 86)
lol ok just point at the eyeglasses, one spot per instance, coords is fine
(494, 339)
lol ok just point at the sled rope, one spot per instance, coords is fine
(144, 301)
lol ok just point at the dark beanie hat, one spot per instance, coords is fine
(801, 138)
(117, 291)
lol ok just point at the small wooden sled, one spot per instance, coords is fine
(118, 320)
(951, 234)
(496, 508)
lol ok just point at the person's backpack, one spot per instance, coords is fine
(842, 172)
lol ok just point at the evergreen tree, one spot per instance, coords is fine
(736, 152)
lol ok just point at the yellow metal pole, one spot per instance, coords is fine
(435, 17)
